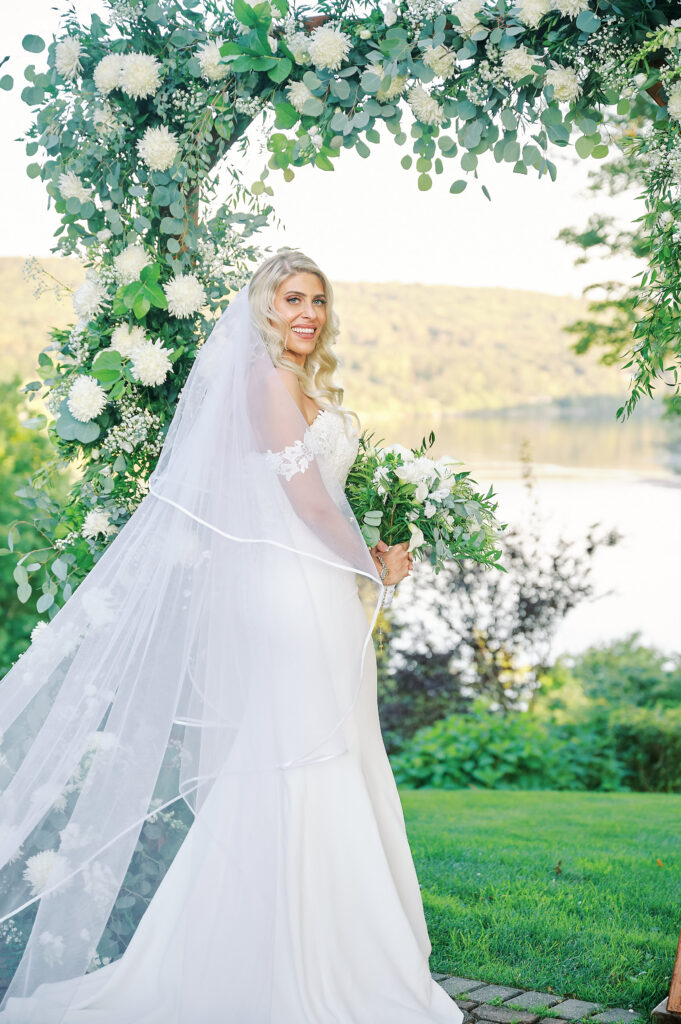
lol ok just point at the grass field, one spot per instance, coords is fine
(575, 893)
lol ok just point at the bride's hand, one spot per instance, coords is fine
(398, 560)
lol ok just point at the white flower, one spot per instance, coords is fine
(532, 11)
(100, 739)
(429, 509)
(571, 8)
(53, 947)
(389, 14)
(185, 295)
(86, 398)
(47, 868)
(90, 297)
(399, 449)
(37, 630)
(158, 148)
(396, 87)
(96, 522)
(364, 33)
(97, 601)
(67, 57)
(298, 94)
(100, 883)
(299, 45)
(104, 235)
(317, 139)
(151, 363)
(566, 87)
(440, 60)
(417, 538)
(104, 120)
(139, 75)
(125, 339)
(329, 47)
(107, 74)
(465, 11)
(130, 262)
(674, 101)
(517, 63)
(421, 492)
(71, 187)
(425, 107)
(213, 66)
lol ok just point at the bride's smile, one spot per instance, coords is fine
(301, 302)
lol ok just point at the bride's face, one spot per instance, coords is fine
(301, 301)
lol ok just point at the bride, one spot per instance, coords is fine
(220, 653)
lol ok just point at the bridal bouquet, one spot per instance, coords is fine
(401, 494)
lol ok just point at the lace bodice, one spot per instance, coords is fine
(325, 436)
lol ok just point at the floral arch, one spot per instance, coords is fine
(133, 115)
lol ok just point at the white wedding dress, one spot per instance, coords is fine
(349, 942)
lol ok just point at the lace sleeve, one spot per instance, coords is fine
(294, 458)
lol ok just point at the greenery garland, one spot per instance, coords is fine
(134, 115)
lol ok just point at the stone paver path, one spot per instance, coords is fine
(498, 1004)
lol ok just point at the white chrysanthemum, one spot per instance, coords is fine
(67, 57)
(104, 120)
(130, 262)
(90, 297)
(299, 45)
(158, 148)
(107, 74)
(185, 295)
(466, 11)
(140, 75)
(213, 67)
(674, 101)
(298, 94)
(37, 630)
(98, 604)
(566, 87)
(396, 87)
(45, 869)
(96, 522)
(517, 63)
(532, 11)
(571, 8)
(151, 364)
(86, 398)
(329, 47)
(125, 339)
(440, 60)
(53, 947)
(425, 107)
(71, 187)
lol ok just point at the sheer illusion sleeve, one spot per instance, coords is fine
(282, 437)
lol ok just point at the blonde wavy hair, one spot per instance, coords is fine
(316, 376)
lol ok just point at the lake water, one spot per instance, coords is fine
(622, 475)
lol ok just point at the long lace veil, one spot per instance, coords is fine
(199, 656)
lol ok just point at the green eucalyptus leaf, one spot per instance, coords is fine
(34, 44)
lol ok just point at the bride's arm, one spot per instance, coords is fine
(282, 435)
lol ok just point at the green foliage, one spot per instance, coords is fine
(629, 673)
(513, 751)
(21, 453)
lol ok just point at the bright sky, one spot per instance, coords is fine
(366, 221)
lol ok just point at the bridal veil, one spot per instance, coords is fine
(200, 652)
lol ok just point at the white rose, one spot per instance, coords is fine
(417, 538)
(299, 45)
(566, 87)
(389, 14)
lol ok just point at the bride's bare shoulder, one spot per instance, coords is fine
(291, 383)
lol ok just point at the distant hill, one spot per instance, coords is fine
(433, 347)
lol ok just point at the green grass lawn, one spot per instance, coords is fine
(552, 891)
